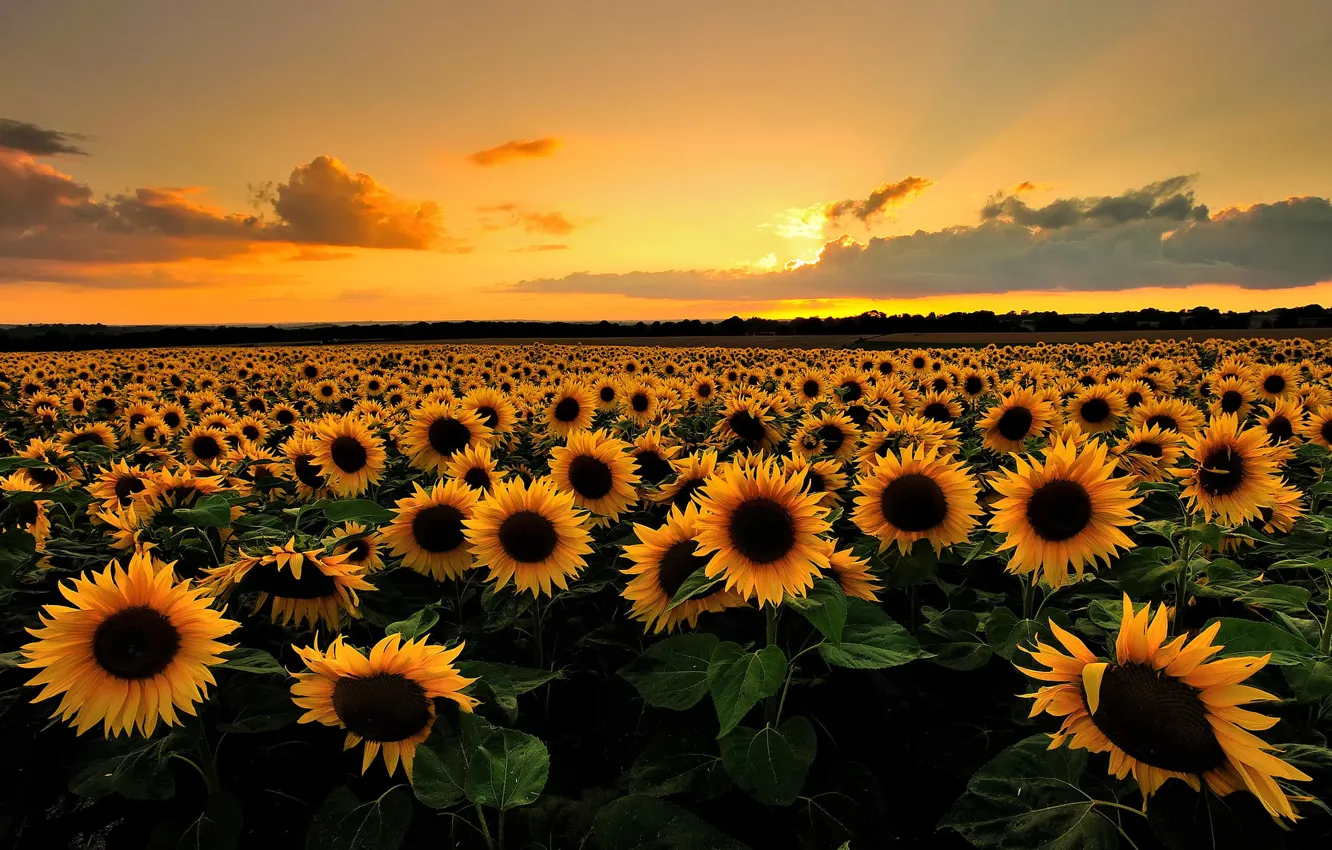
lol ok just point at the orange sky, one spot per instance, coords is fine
(478, 157)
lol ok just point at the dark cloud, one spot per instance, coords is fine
(38, 141)
(514, 150)
(883, 197)
(1171, 199)
(1265, 246)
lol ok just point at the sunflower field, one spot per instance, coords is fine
(421, 596)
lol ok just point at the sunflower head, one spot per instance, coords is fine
(530, 534)
(918, 495)
(1234, 474)
(428, 531)
(662, 560)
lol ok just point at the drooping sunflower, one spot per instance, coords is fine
(385, 699)
(694, 470)
(300, 453)
(1234, 475)
(132, 648)
(1148, 452)
(428, 532)
(919, 496)
(653, 457)
(571, 409)
(1284, 424)
(762, 533)
(825, 477)
(1169, 414)
(475, 467)
(360, 545)
(747, 422)
(118, 484)
(530, 534)
(1064, 512)
(827, 432)
(437, 432)
(853, 574)
(304, 585)
(1096, 409)
(598, 470)
(1019, 415)
(1163, 710)
(348, 455)
(29, 516)
(662, 559)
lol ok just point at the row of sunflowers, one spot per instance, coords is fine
(554, 596)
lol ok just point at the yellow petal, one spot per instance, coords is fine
(1092, 675)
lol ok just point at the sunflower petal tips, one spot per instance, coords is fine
(1092, 676)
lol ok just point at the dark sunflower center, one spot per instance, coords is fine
(528, 537)
(206, 447)
(832, 437)
(1015, 423)
(858, 414)
(1231, 401)
(1274, 384)
(1326, 431)
(747, 427)
(1280, 429)
(307, 473)
(171, 418)
(438, 528)
(1133, 398)
(447, 436)
(1095, 410)
(382, 707)
(477, 478)
(973, 385)
(938, 411)
(651, 467)
(1164, 422)
(914, 502)
(250, 432)
(852, 391)
(1059, 510)
(762, 530)
(677, 564)
(1146, 448)
(285, 417)
(1157, 719)
(126, 487)
(43, 476)
(567, 410)
(268, 578)
(607, 394)
(26, 514)
(814, 482)
(704, 390)
(590, 477)
(810, 389)
(1221, 472)
(685, 494)
(348, 454)
(639, 402)
(136, 643)
(359, 552)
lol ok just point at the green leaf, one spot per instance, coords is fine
(1029, 796)
(345, 823)
(439, 774)
(137, 769)
(770, 764)
(871, 640)
(1278, 597)
(415, 626)
(508, 771)
(1254, 637)
(246, 660)
(638, 822)
(1310, 682)
(505, 682)
(1323, 565)
(218, 827)
(363, 511)
(674, 672)
(738, 679)
(1005, 641)
(824, 607)
(697, 584)
(212, 511)
(1107, 613)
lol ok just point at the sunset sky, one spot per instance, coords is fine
(259, 161)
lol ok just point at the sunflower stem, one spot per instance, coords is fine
(538, 649)
(485, 828)
(1325, 641)
(771, 707)
(499, 839)
(1028, 591)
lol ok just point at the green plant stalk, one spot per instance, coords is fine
(1325, 640)
(771, 708)
(485, 828)
(1028, 591)
(1182, 586)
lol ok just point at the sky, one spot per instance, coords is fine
(251, 161)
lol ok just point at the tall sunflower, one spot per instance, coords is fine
(571, 409)
(304, 585)
(1163, 710)
(694, 470)
(132, 648)
(653, 457)
(1020, 414)
(361, 546)
(348, 455)
(437, 432)
(529, 534)
(300, 453)
(919, 496)
(762, 533)
(384, 700)
(1065, 512)
(825, 477)
(748, 423)
(662, 559)
(475, 467)
(1097, 408)
(428, 532)
(1148, 452)
(1234, 475)
(598, 471)
(826, 433)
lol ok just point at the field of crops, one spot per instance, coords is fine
(1053, 596)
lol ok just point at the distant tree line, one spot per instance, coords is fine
(57, 337)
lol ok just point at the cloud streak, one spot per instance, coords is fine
(38, 141)
(509, 151)
(883, 197)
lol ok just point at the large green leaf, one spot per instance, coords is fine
(674, 672)
(770, 764)
(637, 822)
(871, 640)
(737, 679)
(345, 823)
(439, 774)
(825, 608)
(1029, 796)
(212, 511)
(504, 682)
(1254, 637)
(509, 770)
(134, 769)
(363, 511)
(415, 626)
(245, 659)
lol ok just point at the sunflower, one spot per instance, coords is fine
(748, 423)
(1097, 408)
(1064, 512)
(571, 409)
(662, 559)
(304, 585)
(1163, 710)
(694, 471)
(204, 444)
(87, 435)
(1276, 381)
(1283, 422)
(703, 390)
(919, 496)
(1018, 415)
(825, 477)
(598, 470)
(348, 455)
(119, 484)
(826, 433)
(1234, 475)
(1148, 452)
(852, 574)
(810, 387)
(30, 516)
(386, 700)
(1169, 414)
(608, 393)
(653, 458)
(300, 453)
(360, 545)
(939, 406)
(762, 533)
(428, 533)
(1318, 429)
(475, 467)
(642, 404)
(530, 534)
(132, 648)
(1233, 396)
(439, 431)
(496, 411)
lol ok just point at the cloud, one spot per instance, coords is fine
(38, 141)
(514, 150)
(545, 246)
(1143, 238)
(550, 224)
(883, 197)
